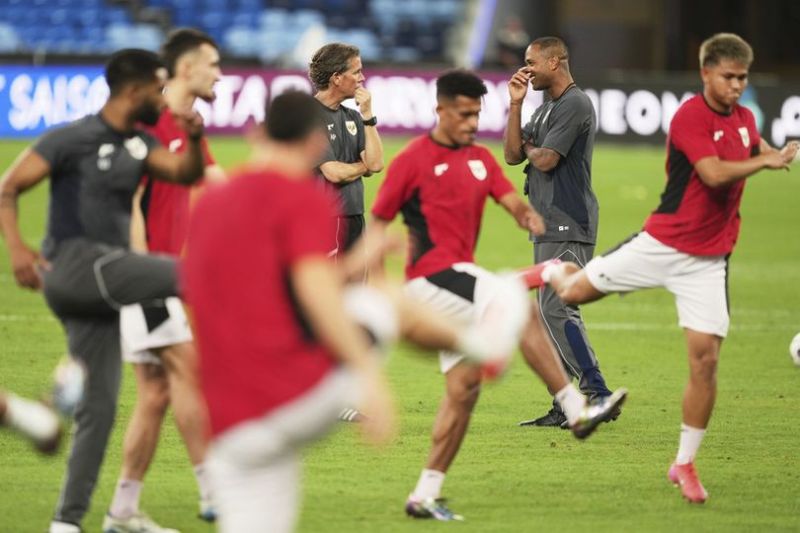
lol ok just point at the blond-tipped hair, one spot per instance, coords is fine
(725, 46)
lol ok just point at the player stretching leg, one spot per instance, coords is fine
(444, 226)
(158, 342)
(713, 146)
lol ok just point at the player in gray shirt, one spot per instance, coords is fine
(355, 149)
(557, 143)
(86, 269)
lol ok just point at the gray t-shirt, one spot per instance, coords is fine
(564, 196)
(346, 135)
(94, 172)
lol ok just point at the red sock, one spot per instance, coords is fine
(532, 275)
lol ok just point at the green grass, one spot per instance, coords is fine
(508, 478)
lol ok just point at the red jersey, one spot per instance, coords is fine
(693, 217)
(166, 205)
(256, 350)
(441, 191)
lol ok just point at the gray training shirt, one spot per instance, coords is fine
(346, 135)
(564, 196)
(94, 172)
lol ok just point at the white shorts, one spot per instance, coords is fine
(373, 311)
(254, 466)
(461, 292)
(143, 330)
(699, 283)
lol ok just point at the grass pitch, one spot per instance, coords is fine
(508, 478)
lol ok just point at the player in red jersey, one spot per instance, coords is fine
(440, 183)
(712, 147)
(158, 342)
(279, 357)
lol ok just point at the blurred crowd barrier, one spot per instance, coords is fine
(634, 110)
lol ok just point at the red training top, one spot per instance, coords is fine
(166, 205)
(693, 217)
(256, 350)
(441, 191)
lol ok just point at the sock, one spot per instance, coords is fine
(126, 499)
(203, 483)
(30, 418)
(429, 484)
(689, 444)
(572, 402)
(539, 274)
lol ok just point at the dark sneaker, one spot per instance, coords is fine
(554, 418)
(599, 411)
(431, 508)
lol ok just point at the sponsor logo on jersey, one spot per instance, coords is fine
(478, 169)
(351, 127)
(745, 133)
(136, 147)
(104, 156)
(440, 169)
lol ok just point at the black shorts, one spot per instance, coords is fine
(348, 230)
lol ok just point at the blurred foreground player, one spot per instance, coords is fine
(713, 146)
(158, 341)
(86, 269)
(279, 357)
(440, 183)
(33, 420)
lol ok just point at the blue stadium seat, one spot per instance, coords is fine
(240, 41)
(9, 40)
(274, 19)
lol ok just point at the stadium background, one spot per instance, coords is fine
(637, 60)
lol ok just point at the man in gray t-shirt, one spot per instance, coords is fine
(557, 144)
(355, 149)
(86, 269)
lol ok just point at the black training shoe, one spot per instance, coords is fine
(554, 418)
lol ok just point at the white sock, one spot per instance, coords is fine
(429, 484)
(689, 444)
(572, 402)
(203, 483)
(126, 499)
(30, 418)
(549, 270)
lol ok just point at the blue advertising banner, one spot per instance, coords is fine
(33, 99)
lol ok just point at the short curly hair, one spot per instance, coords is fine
(725, 46)
(331, 59)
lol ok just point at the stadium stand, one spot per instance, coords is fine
(270, 30)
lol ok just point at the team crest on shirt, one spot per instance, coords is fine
(351, 127)
(136, 147)
(478, 169)
(745, 133)
(175, 144)
(440, 169)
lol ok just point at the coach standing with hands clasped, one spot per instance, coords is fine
(355, 149)
(557, 144)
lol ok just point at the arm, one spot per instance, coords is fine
(372, 156)
(543, 159)
(319, 293)
(526, 216)
(512, 137)
(715, 172)
(29, 169)
(337, 172)
(186, 167)
(138, 225)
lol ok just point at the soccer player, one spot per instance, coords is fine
(86, 268)
(33, 420)
(712, 147)
(355, 150)
(279, 357)
(159, 342)
(440, 183)
(557, 144)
